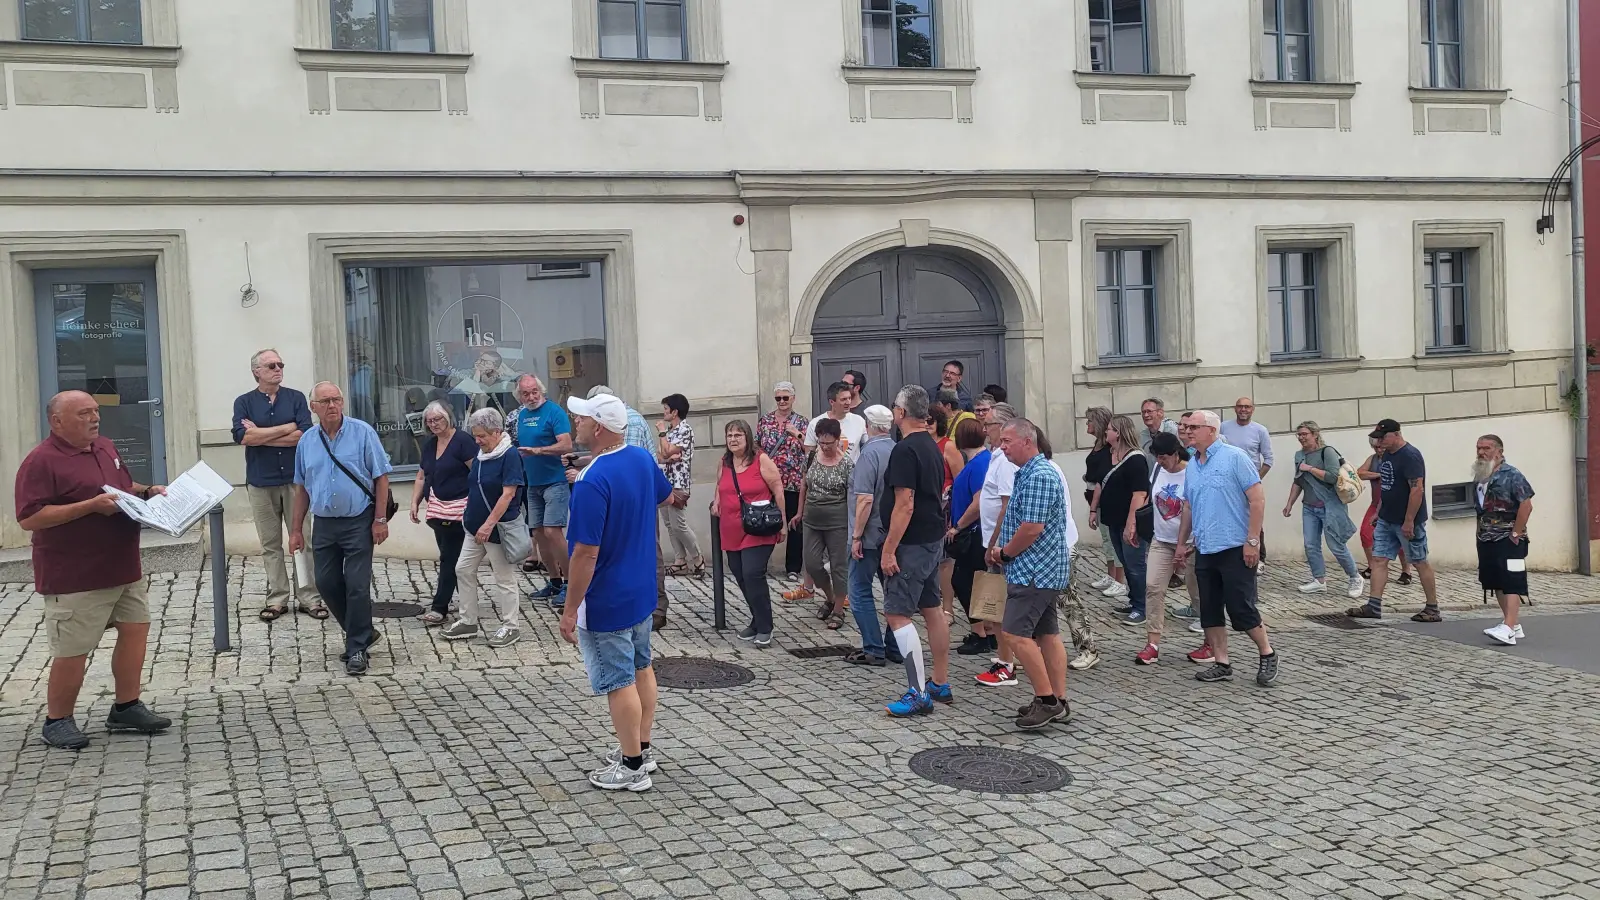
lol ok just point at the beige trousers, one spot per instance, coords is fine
(271, 508)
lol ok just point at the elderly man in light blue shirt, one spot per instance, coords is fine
(341, 476)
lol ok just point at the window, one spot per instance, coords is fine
(397, 26)
(1293, 307)
(1118, 36)
(1286, 42)
(642, 29)
(462, 334)
(898, 33)
(1445, 294)
(1441, 42)
(558, 270)
(1453, 501)
(1125, 291)
(82, 21)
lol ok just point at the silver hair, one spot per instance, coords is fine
(1003, 413)
(337, 391)
(947, 397)
(1024, 427)
(599, 389)
(439, 407)
(1208, 417)
(538, 382)
(913, 398)
(1157, 402)
(255, 358)
(489, 419)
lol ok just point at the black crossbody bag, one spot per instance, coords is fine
(757, 521)
(390, 506)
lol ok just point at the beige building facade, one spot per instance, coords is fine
(424, 205)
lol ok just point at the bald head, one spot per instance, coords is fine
(74, 417)
(1243, 409)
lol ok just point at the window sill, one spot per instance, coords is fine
(1447, 512)
(930, 76)
(1316, 90)
(1131, 82)
(648, 69)
(1290, 367)
(1112, 374)
(1463, 359)
(382, 61)
(90, 54)
(1458, 97)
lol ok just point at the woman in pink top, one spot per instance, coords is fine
(759, 481)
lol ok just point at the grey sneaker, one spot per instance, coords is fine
(505, 636)
(376, 637)
(614, 758)
(356, 664)
(618, 777)
(747, 633)
(1267, 672)
(63, 734)
(137, 717)
(763, 641)
(1215, 672)
(459, 631)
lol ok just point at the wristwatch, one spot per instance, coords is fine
(1254, 542)
(380, 520)
(1005, 558)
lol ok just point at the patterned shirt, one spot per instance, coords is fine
(677, 471)
(828, 485)
(1498, 500)
(1037, 497)
(788, 451)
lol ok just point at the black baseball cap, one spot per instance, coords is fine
(1385, 427)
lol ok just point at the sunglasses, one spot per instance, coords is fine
(782, 399)
(276, 365)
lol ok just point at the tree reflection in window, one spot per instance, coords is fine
(899, 33)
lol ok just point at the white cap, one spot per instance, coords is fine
(606, 409)
(878, 416)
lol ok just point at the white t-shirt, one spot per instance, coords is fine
(996, 484)
(1166, 496)
(1066, 490)
(852, 431)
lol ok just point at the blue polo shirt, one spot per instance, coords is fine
(1219, 512)
(540, 427)
(613, 508)
(333, 493)
(270, 466)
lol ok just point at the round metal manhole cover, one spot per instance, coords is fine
(989, 770)
(396, 610)
(692, 673)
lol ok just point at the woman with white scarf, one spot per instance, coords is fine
(493, 496)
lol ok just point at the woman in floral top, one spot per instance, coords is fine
(824, 491)
(675, 449)
(781, 434)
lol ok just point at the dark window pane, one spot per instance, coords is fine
(877, 37)
(410, 26)
(355, 25)
(102, 335)
(1302, 322)
(914, 7)
(1448, 74)
(914, 42)
(1127, 12)
(1269, 15)
(1296, 16)
(49, 20)
(1127, 49)
(114, 21)
(1430, 302)
(619, 29)
(1296, 58)
(877, 5)
(663, 28)
(1458, 316)
(1099, 9)
(1099, 47)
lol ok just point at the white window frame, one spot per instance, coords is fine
(1168, 68)
(159, 52)
(1487, 332)
(1337, 330)
(1174, 292)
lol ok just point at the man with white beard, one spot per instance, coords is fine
(1504, 500)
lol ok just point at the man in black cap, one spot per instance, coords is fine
(1402, 522)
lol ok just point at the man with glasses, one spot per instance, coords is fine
(1255, 440)
(542, 433)
(858, 387)
(782, 436)
(983, 408)
(341, 477)
(852, 426)
(950, 380)
(268, 422)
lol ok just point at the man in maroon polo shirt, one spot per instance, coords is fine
(86, 564)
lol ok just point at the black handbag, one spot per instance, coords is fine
(758, 521)
(1144, 518)
(390, 506)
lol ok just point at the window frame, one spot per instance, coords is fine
(1147, 67)
(384, 37)
(1338, 335)
(1430, 40)
(641, 37)
(1174, 319)
(83, 36)
(1314, 287)
(1464, 267)
(1460, 500)
(1486, 294)
(932, 15)
(1118, 305)
(1281, 34)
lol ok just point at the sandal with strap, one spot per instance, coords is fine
(271, 613)
(678, 569)
(824, 611)
(316, 612)
(835, 621)
(431, 618)
(1428, 614)
(1363, 612)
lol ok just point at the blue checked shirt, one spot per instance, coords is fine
(1036, 497)
(638, 433)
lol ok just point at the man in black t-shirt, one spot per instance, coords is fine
(914, 522)
(1402, 522)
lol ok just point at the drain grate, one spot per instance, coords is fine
(820, 652)
(692, 673)
(1337, 620)
(989, 770)
(396, 610)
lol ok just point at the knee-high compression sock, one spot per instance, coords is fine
(905, 637)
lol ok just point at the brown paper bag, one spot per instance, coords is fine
(988, 597)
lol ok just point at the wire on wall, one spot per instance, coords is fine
(248, 296)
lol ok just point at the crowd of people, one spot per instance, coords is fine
(942, 497)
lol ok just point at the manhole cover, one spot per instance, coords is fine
(1336, 620)
(1393, 696)
(690, 673)
(989, 770)
(820, 652)
(396, 610)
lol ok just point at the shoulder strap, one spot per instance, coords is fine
(734, 474)
(347, 473)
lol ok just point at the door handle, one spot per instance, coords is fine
(153, 401)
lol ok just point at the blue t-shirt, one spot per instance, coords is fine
(613, 508)
(968, 484)
(492, 475)
(447, 472)
(540, 428)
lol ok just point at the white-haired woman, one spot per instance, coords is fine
(440, 495)
(494, 495)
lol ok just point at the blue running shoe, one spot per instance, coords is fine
(558, 601)
(911, 703)
(940, 693)
(546, 592)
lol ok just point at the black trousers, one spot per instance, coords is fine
(449, 536)
(794, 549)
(342, 547)
(749, 570)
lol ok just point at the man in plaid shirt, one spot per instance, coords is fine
(1034, 549)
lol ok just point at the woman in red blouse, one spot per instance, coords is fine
(746, 470)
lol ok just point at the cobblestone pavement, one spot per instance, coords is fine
(1382, 765)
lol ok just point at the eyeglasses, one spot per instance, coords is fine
(1187, 427)
(829, 444)
(338, 400)
(276, 365)
(782, 399)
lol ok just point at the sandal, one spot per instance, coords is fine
(861, 658)
(1363, 612)
(431, 618)
(316, 612)
(1367, 574)
(1428, 614)
(269, 613)
(835, 621)
(698, 570)
(1405, 578)
(824, 611)
(678, 569)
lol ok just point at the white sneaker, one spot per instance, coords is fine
(1313, 587)
(1195, 627)
(614, 758)
(1503, 633)
(1117, 589)
(1358, 586)
(1101, 583)
(1084, 661)
(618, 777)
(1518, 631)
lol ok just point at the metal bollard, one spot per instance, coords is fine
(719, 607)
(219, 582)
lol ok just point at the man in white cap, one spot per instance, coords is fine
(611, 530)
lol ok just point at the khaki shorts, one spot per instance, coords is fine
(76, 622)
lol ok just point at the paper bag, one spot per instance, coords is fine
(305, 572)
(988, 596)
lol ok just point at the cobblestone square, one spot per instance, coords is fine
(1384, 764)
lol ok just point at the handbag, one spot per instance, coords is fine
(1349, 486)
(966, 542)
(515, 539)
(1144, 518)
(764, 520)
(390, 507)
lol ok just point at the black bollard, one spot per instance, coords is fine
(719, 608)
(219, 583)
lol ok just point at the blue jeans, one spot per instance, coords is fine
(1311, 522)
(862, 604)
(1132, 559)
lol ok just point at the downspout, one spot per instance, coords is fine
(1580, 328)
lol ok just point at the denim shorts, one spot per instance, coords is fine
(547, 505)
(1387, 540)
(612, 657)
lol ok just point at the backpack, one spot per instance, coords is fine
(1350, 485)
